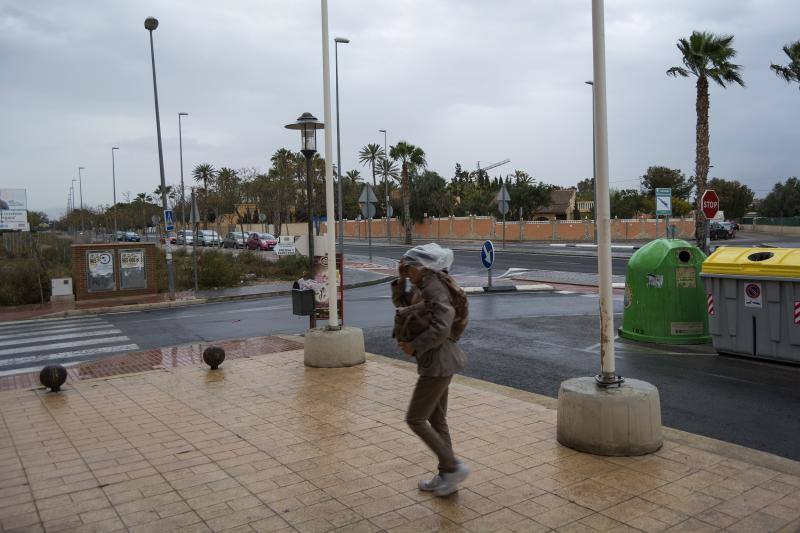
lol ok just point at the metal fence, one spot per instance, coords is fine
(772, 221)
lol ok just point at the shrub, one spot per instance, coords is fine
(22, 282)
(288, 268)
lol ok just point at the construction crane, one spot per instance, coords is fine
(493, 165)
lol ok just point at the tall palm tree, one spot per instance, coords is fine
(705, 55)
(170, 193)
(409, 156)
(203, 173)
(790, 72)
(371, 154)
(389, 170)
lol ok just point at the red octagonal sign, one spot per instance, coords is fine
(710, 203)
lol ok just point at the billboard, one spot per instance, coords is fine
(13, 209)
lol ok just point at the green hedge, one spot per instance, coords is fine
(22, 282)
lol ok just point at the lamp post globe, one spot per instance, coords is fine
(150, 23)
(308, 126)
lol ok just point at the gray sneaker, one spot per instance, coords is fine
(430, 485)
(450, 481)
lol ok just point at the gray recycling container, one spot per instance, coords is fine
(753, 301)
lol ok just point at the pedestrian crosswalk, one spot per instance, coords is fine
(28, 345)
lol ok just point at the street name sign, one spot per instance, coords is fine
(664, 201)
(709, 202)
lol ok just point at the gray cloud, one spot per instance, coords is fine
(466, 80)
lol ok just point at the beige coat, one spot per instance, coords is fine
(436, 353)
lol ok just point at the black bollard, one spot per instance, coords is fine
(53, 376)
(213, 356)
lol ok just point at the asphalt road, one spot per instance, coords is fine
(533, 342)
(470, 262)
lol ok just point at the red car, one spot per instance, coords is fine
(261, 241)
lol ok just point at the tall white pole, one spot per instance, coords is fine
(603, 207)
(330, 248)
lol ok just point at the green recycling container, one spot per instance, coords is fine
(665, 301)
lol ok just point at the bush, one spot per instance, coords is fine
(289, 268)
(217, 269)
(22, 282)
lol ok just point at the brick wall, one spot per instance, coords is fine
(80, 269)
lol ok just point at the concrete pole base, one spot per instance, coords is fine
(616, 421)
(334, 348)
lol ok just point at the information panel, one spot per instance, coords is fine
(100, 271)
(131, 269)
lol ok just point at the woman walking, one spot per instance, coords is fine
(430, 318)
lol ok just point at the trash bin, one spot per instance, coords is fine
(665, 301)
(753, 301)
(302, 301)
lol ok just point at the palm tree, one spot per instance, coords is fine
(705, 55)
(143, 198)
(170, 192)
(203, 173)
(372, 154)
(389, 170)
(413, 156)
(790, 72)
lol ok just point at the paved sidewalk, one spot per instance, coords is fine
(265, 444)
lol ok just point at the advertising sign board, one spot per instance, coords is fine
(13, 209)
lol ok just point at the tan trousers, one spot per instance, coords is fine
(427, 417)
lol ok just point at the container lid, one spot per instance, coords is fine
(756, 262)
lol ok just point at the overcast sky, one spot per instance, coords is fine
(467, 80)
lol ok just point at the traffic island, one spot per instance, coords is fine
(334, 348)
(622, 420)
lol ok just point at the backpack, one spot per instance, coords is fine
(458, 299)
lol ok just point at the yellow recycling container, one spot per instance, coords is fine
(753, 301)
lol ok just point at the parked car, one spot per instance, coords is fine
(185, 236)
(234, 239)
(120, 235)
(718, 232)
(131, 236)
(261, 241)
(208, 237)
(731, 228)
(171, 237)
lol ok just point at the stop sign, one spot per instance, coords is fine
(710, 203)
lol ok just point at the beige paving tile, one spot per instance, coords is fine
(278, 447)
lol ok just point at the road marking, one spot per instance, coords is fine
(39, 320)
(36, 333)
(48, 325)
(62, 337)
(55, 346)
(566, 292)
(63, 355)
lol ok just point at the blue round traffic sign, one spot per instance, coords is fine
(487, 254)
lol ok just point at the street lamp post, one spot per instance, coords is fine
(308, 126)
(594, 165)
(150, 25)
(386, 186)
(180, 150)
(80, 185)
(338, 41)
(114, 185)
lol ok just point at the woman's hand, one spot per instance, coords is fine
(407, 348)
(401, 271)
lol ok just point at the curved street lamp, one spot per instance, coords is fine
(308, 125)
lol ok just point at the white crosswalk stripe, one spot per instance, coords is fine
(28, 345)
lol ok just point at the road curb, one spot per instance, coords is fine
(196, 301)
(532, 287)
